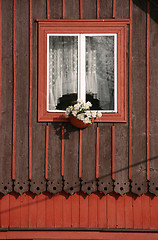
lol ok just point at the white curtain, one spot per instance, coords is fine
(63, 68)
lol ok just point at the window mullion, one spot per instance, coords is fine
(81, 68)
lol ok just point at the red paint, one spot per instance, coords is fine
(120, 212)
(147, 88)
(113, 8)
(14, 210)
(128, 209)
(81, 10)
(14, 91)
(98, 9)
(111, 211)
(4, 216)
(102, 218)
(146, 215)
(121, 20)
(32, 210)
(41, 213)
(97, 154)
(67, 210)
(83, 210)
(113, 152)
(58, 210)
(62, 151)
(137, 213)
(92, 211)
(75, 210)
(30, 98)
(81, 26)
(130, 91)
(80, 155)
(48, 14)
(63, 9)
(47, 143)
(24, 211)
(50, 218)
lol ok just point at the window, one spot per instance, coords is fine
(82, 60)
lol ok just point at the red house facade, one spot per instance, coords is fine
(58, 181)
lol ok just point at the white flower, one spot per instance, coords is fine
(74, 113)
(76, 106)
(93, 114)
(87, 105)
(81, 116)
(99, 114)
(87, 120)
(88, 113)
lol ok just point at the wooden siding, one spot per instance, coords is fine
(95, 165)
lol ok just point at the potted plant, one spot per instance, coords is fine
(80, 115)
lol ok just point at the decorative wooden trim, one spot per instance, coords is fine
(130, 91)
(14, 91)
(63, 9)
(48, 13)
(81, 9)
(62, 151)
(113, 8)
(47, 143)
(97, 154)
(30, 98)
(80, 155)
(121, 20)
(113, 152)
(98, 9)
(82, 27)
(147, 88)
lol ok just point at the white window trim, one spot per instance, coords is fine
(81, 94)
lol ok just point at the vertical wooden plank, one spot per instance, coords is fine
(93, 211)
(22, 80)
(84, 210)
(154, 212)
(130, 94)
(48, 13)
(50, 216)
(113, 152)
(89, 9)
(81, 9)
(80, 155)
(38, 129)
(122, 9)
(56, 8)
(139, 110)
(71, 161)
(63, 9)
(120, 212)
(6, 97)
(147, 87)
(5, 211)
(24, 211)
(153, 85)
(137, 212)
(32, 210)
(0, 56)
(58, 210)
(105, 164)
(67, 210)
(75, 205)
(146, 214)
(102, 218)
(54, 159)
(113, 8)
(121, 184)
(14, 210)
(72, 9)
(62, 150)
(30, 98)
(41, 211)
(88, 160)
(14, 90)
(47, 144)
(97, 153)
(128, 211)
(106, 9)
(98, 9)
(111, 210)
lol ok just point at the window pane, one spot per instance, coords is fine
(63, 71)
(100, 72)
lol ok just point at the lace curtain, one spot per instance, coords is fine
(63, 69)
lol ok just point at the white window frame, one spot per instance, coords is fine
(81, 91)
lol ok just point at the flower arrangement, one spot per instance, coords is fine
(81, 111)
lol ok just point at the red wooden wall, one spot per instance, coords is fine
(32, 153)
